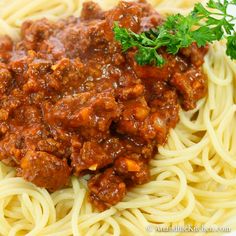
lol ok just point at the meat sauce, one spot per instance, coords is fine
(72, 103)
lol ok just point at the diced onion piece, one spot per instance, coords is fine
(93, 167)
(132, 165)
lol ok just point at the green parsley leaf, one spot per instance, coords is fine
(201, 26)
(203, 35)
(218, 5)
(200, 11)
(125, 38)
(231, 46)
(149, 57)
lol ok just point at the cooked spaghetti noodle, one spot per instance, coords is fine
(193, 176)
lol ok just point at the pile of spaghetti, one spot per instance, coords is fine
(193, 175)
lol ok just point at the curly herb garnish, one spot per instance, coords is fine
(202, 26)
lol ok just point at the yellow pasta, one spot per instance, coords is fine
(193, 176)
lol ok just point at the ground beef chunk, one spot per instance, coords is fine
(106, 189)
(88, 112)
(44, 170)
(148, 72)
(6, 46)
(91, 157)
(18, 141)
(134, 118)
(35, 32)
(132, 168)
(194, 54)
(91, 10)
(191, 85)
(5, 78)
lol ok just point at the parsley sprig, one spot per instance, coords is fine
(202, 25)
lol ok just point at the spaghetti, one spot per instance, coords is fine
(193, 176)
